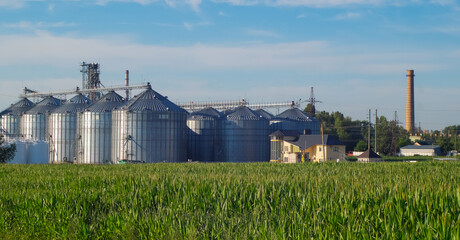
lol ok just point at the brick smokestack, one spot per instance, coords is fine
(410, 102)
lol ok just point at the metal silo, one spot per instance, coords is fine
(63, 129)
(244, 135)
(95, 133)
(202, 137)
(295, 119)
(149, 129)
(265, 114)
(10, 118)
(34, 122)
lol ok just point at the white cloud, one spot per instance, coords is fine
(223, 14)
(51, 7)
(188, 26)
(200, 70)
(348, 16)
(444, 2)
(194, 4)
(333, 3)
(44, 48)
(239, 2)
(261, 33)
(171, 3)
(191, 26)
(12, 3)
(142, 2)
(302, 15)
(37, 25)
(160, 24)
(445, 29)
(452, 30)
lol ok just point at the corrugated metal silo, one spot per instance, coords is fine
(149, 129)
(264, 114)
(10, 118)
(95, 140)
(34, 122)
(63, 129)
(202, 136)
(244, 136)
(295, 119)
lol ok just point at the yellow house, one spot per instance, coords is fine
(291, 147)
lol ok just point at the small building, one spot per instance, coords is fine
(290, 146)
(369, 156)
(420, 150)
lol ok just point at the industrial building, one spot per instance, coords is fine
(98, 126)
(203, 142)
(64, 130)
(34, 122)
(289, 146)
(10, 118)
(146, 129)
(295, 119)
(244, 136)
(420, 150)
(149, 129)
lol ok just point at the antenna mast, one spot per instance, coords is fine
(311, 102)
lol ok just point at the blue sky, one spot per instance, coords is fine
(353, 52)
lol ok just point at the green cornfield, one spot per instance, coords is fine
(231, 201)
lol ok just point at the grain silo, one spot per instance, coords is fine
(34, 122)
(265, 114)
(202, 137)
(95, 134)
(295, 119)
(244, 135)
(63, 130)
(10, 118)
(149, 129)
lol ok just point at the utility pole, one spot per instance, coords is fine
(369, 133)
(394, 127)
(322, 143)
(455, 140)
(375, 131)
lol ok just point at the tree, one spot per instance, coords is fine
(310, 110)
(6, 151)
(346, 130)
(404, 141)
(361, 146)
(445, 143)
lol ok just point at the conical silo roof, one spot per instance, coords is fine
(242, 113)
(18, 108)
(106, 103)
(150, 100)
(74, 105)
(205, 114)
(295, 114)
(264, 114)
(46, 105)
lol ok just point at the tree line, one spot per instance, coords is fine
(390, 135)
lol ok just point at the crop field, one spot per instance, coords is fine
(231, 201)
